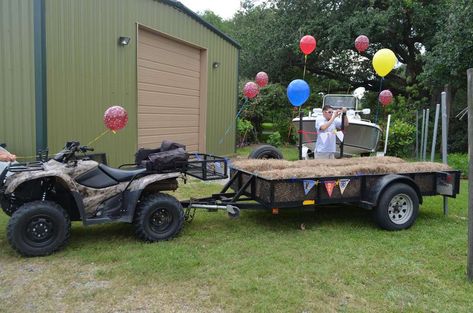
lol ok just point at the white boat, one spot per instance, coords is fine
(360, 137)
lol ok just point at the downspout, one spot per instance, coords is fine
(39, 28)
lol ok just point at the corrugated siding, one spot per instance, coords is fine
(17, 106)
(88, 71)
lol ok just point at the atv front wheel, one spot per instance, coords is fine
(158, 217)
(38, 228)
(6, 206)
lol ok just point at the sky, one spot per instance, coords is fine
(223, 8)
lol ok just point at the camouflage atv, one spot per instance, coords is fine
(43, 198)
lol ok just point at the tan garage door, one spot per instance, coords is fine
(169, 92)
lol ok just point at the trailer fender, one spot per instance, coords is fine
(376, 191)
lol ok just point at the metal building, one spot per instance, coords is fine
(64, 62)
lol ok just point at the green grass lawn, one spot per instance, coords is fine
(337, 261)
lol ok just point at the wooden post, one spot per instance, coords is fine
(470, 176)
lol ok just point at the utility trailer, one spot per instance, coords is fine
(395, 198)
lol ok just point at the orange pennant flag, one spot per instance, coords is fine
(329, 185)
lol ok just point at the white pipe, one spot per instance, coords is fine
(434, 135)
(444, 142)
(426, 134)
(387, 134)
(422, 135)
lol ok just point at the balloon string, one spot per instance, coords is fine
(305, 65)
(98, 137)
(252, 111)
(377, 103)
(236, 118)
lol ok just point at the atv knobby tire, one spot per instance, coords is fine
(158, 217)
(6, 207)
(38, 228)
(265, 152)
(397, 207)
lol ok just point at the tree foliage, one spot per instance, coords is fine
(432, 40)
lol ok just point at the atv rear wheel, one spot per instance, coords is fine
(158, 217)
(38, 228)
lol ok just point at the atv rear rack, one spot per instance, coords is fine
(207, 166)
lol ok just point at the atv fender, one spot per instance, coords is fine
(15, 181)
(137, 187)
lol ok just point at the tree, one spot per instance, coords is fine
(451, 53)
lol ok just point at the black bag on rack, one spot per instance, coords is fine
(167, 161)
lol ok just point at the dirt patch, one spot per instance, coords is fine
(41, 285)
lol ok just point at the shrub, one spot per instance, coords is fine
(275, 139)
(401, 138)
(459, 161)
(244, 129)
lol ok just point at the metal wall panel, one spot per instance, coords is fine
(87, 71)
(17, 90)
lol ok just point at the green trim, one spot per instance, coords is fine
(39, 26)
(192, 14)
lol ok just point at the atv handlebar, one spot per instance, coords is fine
(69, 152)
(84, 149)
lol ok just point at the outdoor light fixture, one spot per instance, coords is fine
(123, 41)
(215, 64)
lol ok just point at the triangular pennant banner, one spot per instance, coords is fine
(324, 137)
(308, 185)
(340, 135)
(343, 183)
(329, 185)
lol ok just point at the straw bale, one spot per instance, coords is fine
(280, 169)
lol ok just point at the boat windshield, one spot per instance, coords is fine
(340, 101)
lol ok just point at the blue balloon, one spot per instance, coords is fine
(298, 92)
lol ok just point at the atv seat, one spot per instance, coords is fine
(120, 175)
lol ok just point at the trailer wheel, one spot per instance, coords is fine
(235, 214)
(158, 217)
(265, 152)
(38, 228)
(397, 208)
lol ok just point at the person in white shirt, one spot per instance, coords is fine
(327, 126)
(6, 158)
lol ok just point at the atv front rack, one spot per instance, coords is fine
(26, 167)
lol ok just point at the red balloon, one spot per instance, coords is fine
(361, 43)
(115, 118)
(250, 90)
(262, 79)
(385, 97)
(307, 44)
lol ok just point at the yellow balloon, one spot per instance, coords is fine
(384, 61)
